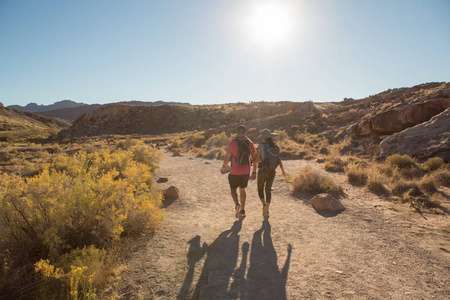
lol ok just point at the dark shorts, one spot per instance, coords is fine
(238, 181)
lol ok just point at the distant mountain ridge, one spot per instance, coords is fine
(71, 110)
(36, 108)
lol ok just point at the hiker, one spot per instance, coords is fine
(268, 159)
(242, 152)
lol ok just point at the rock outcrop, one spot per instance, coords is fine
(395, 110)
(429, 139)
(399, 118)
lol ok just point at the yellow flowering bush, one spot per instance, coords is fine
(88, 200)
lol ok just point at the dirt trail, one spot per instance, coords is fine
(373, 250)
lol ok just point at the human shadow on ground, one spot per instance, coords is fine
(221, 256)
(194, 255)
(264, 279)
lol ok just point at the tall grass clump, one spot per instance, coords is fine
(376, 182)
(442, 176)
(65, 220)
(309, 182)
(357, 174)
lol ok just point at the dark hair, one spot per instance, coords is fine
(241, 129)
(270, 141)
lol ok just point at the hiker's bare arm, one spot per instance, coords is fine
(280, 163)
(225, 162)
(255, 159)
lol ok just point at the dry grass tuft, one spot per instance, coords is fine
(375, 182)
(357, 174)
(309, 182)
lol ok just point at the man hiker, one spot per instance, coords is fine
(242, 152)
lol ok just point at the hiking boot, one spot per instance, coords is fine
(242, 213)
(238, 208)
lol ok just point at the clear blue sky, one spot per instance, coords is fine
(211, 51)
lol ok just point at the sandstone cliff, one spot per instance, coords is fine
(429, 139)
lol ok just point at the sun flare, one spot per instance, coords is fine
(271, 23)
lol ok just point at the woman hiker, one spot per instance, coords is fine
(268, 159)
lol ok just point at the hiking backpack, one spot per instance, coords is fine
(271, 156)
(243, 157)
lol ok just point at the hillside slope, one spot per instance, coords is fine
(11, 119)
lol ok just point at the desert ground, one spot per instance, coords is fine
(375, 249)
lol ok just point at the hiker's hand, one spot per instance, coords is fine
(224, 169)
(253, 176)
(283, 173)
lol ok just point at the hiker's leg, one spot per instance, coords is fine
(243, 196)
(234, 183)
(234, 196)
(269, 177)
(260, 184)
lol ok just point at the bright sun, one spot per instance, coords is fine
(271, 23)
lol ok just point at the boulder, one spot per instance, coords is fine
(429, 139)
(326, 202)
(176, 153)
(171, 192)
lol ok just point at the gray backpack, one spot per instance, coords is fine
(271, 156)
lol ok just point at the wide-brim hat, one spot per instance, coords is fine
(266, 134)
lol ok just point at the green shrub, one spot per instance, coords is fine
(127, 144)
(218, 140)
(309, 182)
(434, 163)
(402, 161)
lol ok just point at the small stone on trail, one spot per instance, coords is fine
(326, 202)
(176, 153)
(207, 163)
(171, 192)
(162, 180)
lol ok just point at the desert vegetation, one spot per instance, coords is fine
(402, 178)
(65, 217)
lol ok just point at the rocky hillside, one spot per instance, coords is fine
(70, 114)
(11, 119)
(369, 120)
(132, 119)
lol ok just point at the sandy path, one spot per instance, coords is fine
(373, 250)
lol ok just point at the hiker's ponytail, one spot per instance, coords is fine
(270, 142)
